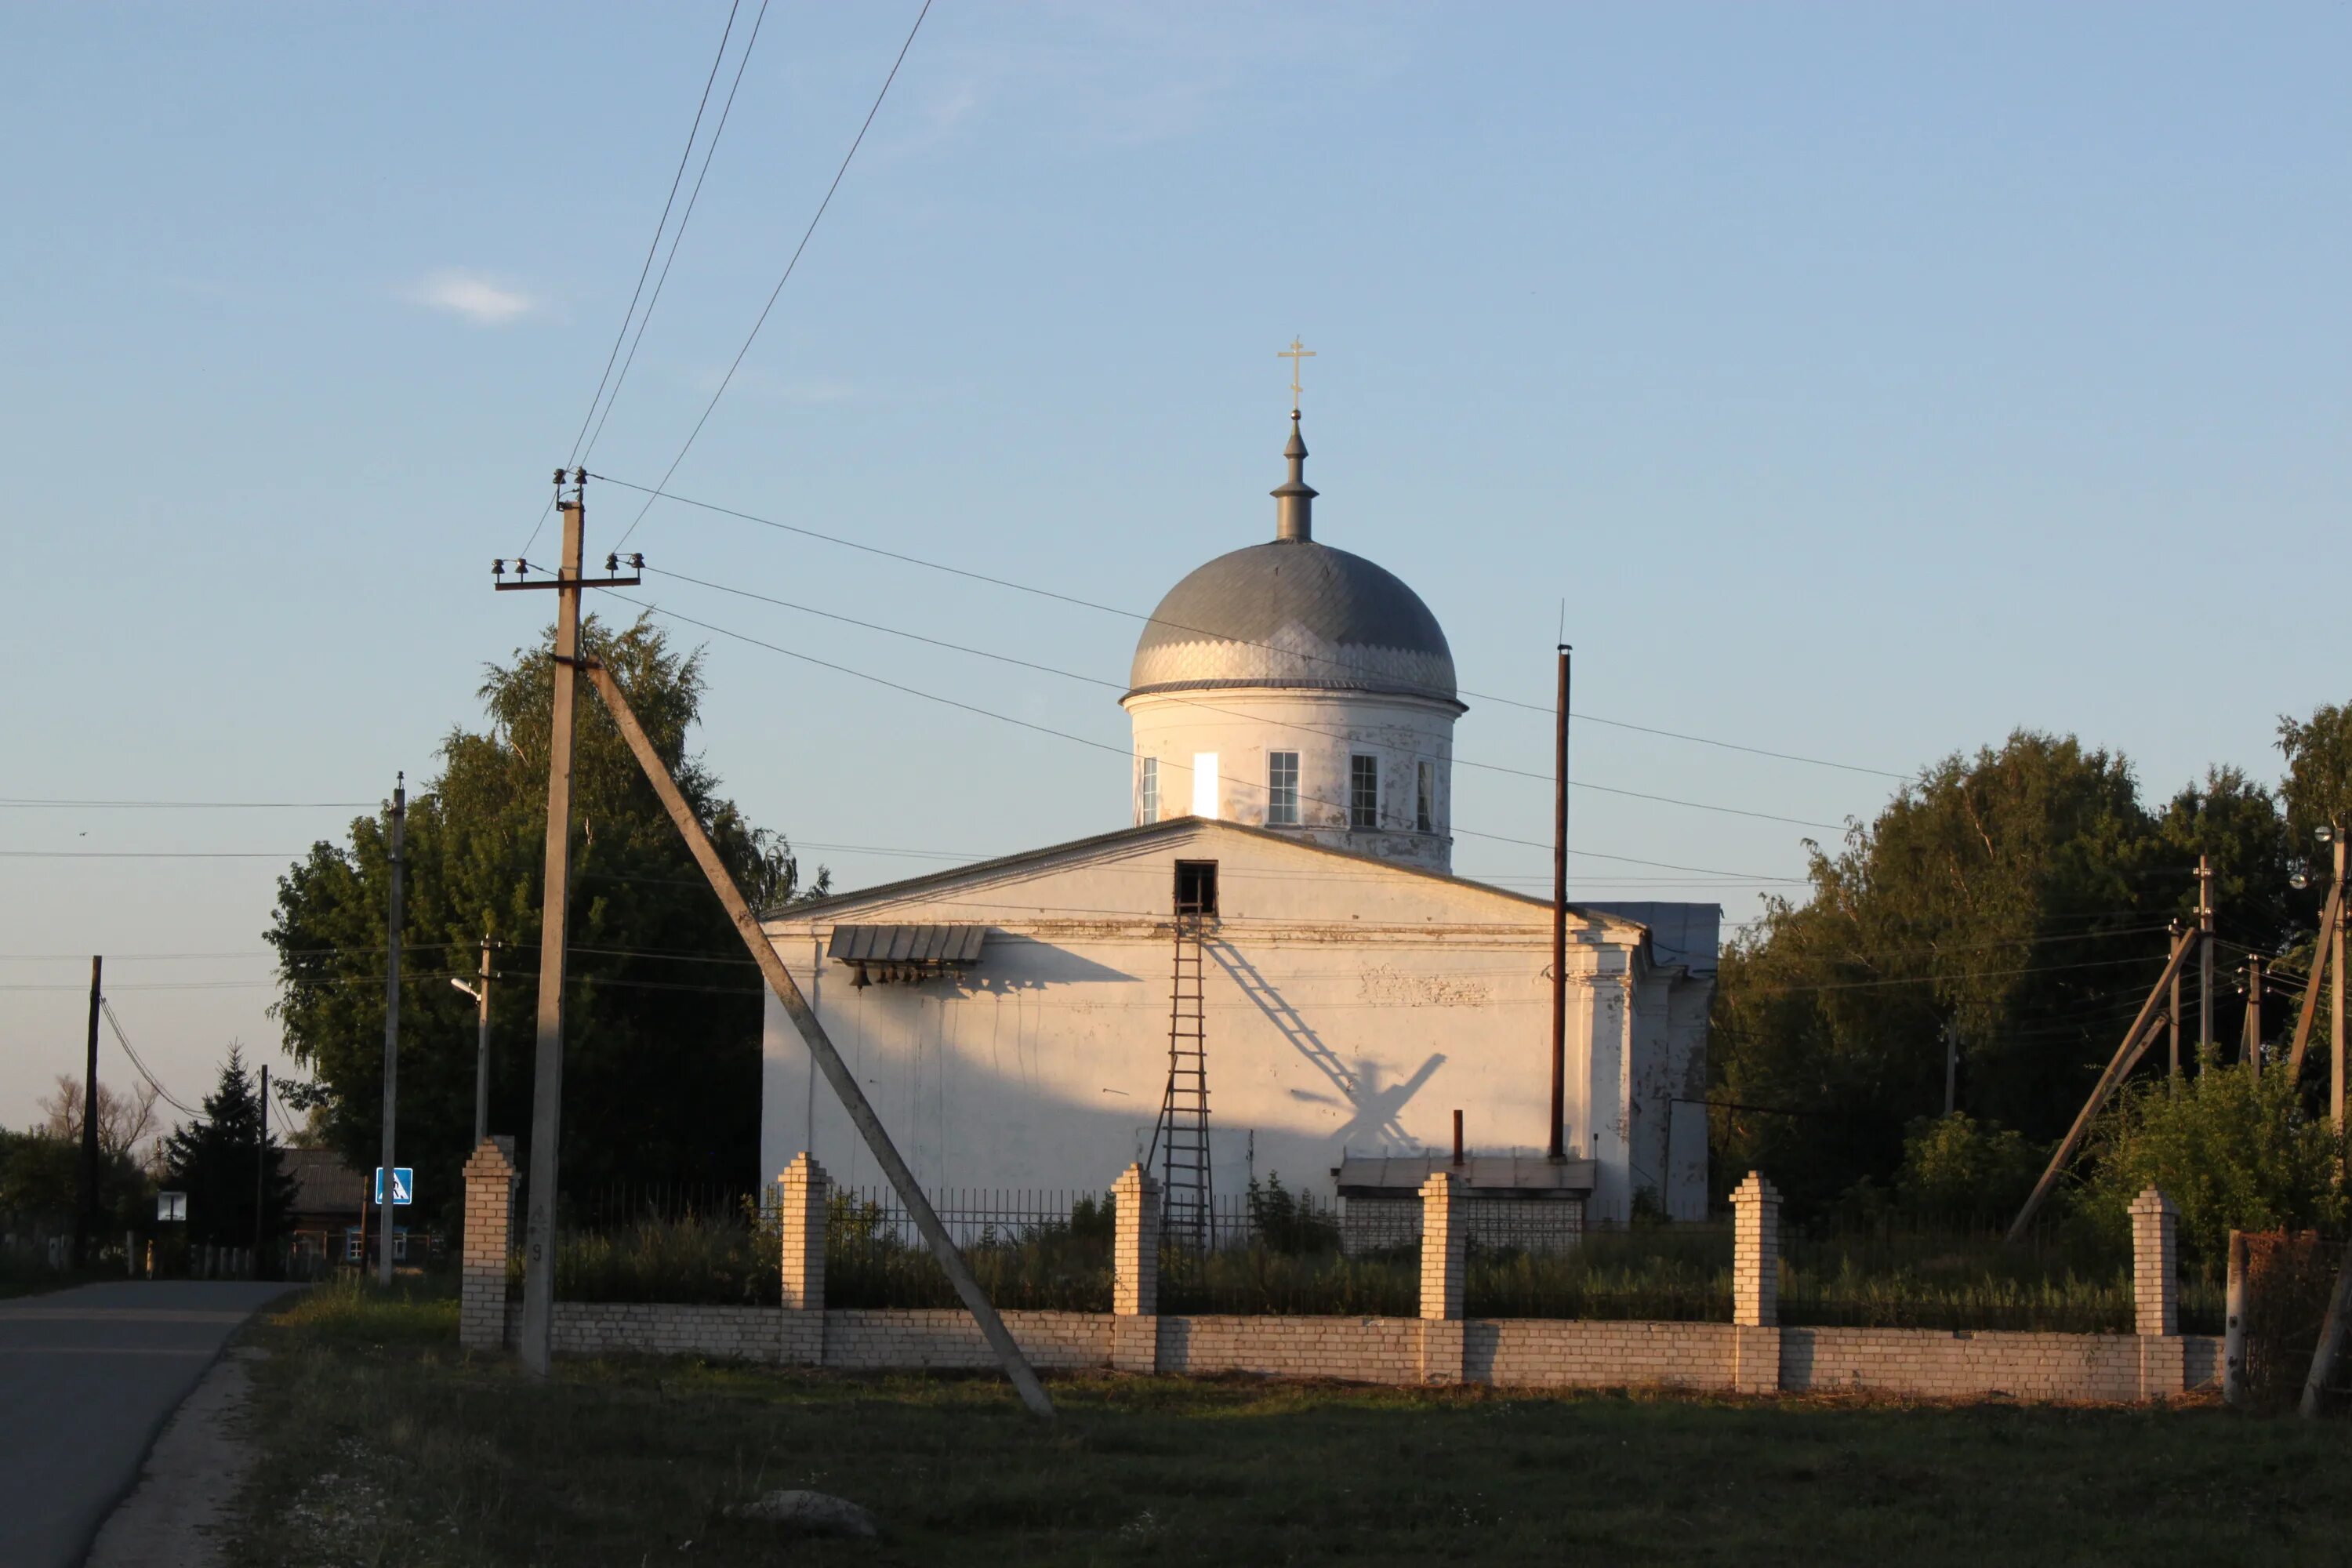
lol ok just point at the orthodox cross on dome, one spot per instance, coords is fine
(1294, 354)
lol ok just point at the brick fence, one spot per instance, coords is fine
(1753, 1353)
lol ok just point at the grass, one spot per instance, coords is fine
(385, 1445)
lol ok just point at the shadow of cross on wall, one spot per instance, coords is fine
(1375, 1108)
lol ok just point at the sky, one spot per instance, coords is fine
(1854, 382)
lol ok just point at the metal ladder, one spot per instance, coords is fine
(1182, 1137)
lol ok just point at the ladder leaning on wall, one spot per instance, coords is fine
(1181, 1138)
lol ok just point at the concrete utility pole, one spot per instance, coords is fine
(260, 1166)
(2205, 952)
(2249, 1049)
(391, 1027)
(1558, 1149)
(537, 1347)
(547, 1078)
(481, 993)
(86, 1230)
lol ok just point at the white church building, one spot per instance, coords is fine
(1270, 971)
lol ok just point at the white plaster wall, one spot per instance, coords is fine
(1690, 999)
(1326, 728)
(1350, 1008)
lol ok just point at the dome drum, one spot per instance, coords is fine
(1293, 654)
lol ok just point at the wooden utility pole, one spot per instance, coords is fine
(261, 1169)
(2135, 1043)
(2174, 1023)
(821, 1048)
(2250, 1046)
(547, 1063)
(2335, 992)
(1951, 1066)
(392, 1028)
(1558, 1149)
(86, 1225)
(2204, 953)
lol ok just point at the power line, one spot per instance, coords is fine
(660, 493)
(195, 804)
(144, 855)
(709, 150)
(1123, 751)
(1208, 707)
(2148, 959)
(152, 1082)
(819, 216)
(651, 245)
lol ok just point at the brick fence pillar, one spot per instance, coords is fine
(1135, 1272)
(482, 1263)
(1756, 1286)
(1444, 1256)
(807, 1191)
(2155, 1306)
(2156, 1297)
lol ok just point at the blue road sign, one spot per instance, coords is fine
(403, 1184)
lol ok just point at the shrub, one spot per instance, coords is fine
(2231, 1152)
(1957, 1171)
(693, 1260)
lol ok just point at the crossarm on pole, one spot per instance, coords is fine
(819, 1044)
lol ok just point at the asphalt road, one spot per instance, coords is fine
(88, 1377)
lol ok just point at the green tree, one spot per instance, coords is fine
(226, 1160)
(2017, 896)
(663, 1009)
(2230, 1151)
(2319, 784)
(1998, 895)
(40, 1169)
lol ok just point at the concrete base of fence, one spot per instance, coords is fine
(1507, 1353)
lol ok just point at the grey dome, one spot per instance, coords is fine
(1297, 614)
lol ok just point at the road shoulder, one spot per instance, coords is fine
(175, 1515)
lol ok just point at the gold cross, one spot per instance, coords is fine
(1294, 354)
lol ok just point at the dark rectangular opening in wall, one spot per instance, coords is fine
(1196, 887)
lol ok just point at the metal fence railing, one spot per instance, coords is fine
(622, 1205)
(1274, 1251)
(1028, 1248)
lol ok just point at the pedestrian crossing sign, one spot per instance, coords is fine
(403, 1184)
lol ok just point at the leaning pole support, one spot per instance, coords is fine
(2126, 1056)
(828, 1061)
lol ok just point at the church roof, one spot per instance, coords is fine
(1534, 910)
(1294, 613)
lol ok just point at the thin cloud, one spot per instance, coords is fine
(479, 299)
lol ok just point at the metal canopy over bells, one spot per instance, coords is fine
(911, 953)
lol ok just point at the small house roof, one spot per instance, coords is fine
(323, 1183)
